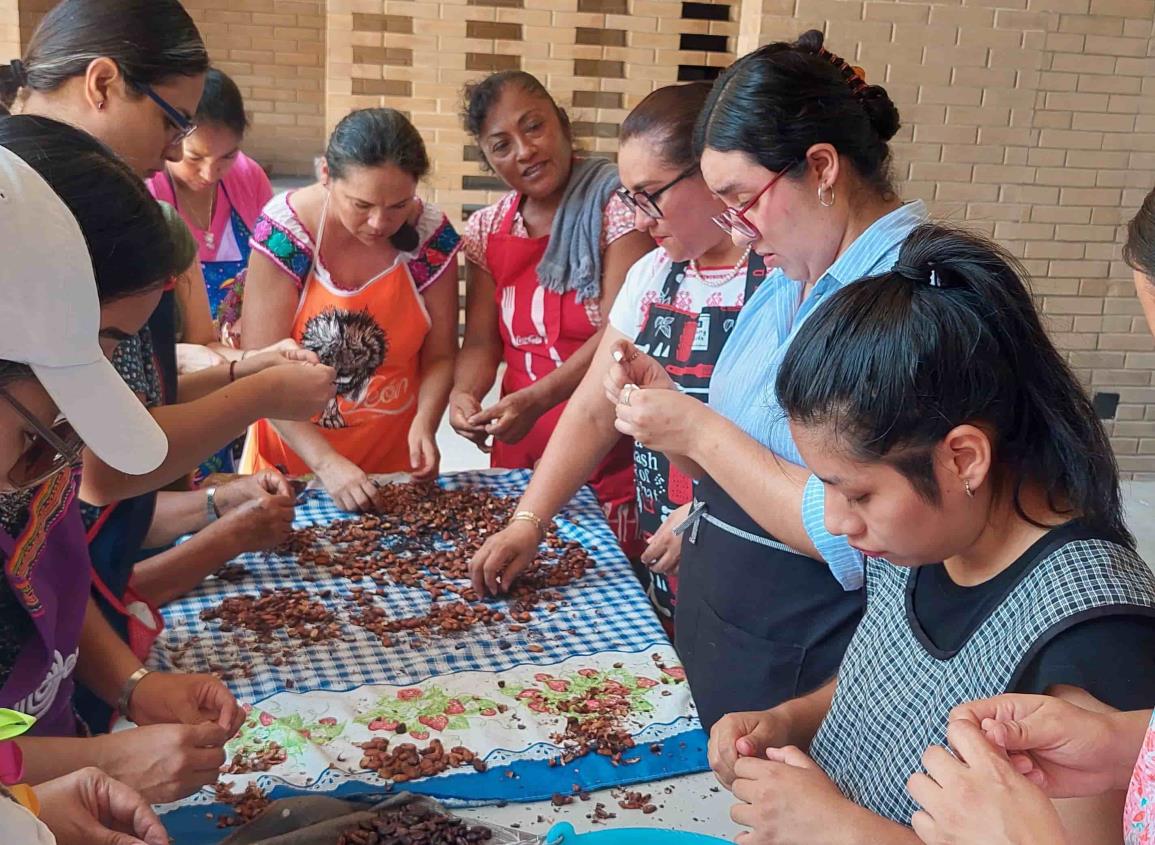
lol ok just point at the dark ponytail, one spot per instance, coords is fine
(777, 102)
(222, 104)
(667, 117)
(150, 40)
(951, 336)
(1139, 251)
(124, 228)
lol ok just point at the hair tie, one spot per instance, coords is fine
(854, 76)
(19, 72)
(927, 275)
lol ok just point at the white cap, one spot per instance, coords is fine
(50, 320)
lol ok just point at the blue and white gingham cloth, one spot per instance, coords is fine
(750, 361)
(608, 612)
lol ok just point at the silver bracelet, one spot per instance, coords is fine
(212, 512)
(129, 688)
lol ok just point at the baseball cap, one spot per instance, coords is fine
(50, 320)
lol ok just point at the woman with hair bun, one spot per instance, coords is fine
(796, 143)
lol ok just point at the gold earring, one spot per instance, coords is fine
(821, 201)
(967, 487)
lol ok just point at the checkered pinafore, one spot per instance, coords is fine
(894, 694)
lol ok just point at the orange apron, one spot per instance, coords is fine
(372, 336)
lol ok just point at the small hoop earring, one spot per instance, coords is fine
(967, 487)
(100, 105)
(821, 202)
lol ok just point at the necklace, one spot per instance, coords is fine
(207, 229)
(692, 266)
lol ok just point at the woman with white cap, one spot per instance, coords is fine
(86, 255)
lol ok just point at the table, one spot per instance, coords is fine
(501, 690)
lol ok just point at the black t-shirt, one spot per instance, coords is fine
(1111, 657)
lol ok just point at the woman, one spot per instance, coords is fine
(130, 73)
(545, 264)
(796, 144)
(678, 303)
(956, 447)
(358, 270)
(1063, 749)
(219, 192)
(74, 212)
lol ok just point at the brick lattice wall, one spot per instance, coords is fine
(274, 49)
(1031, 120)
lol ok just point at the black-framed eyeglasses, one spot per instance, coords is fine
(50, 451)
(182, 125)
(647, 201)
(733, 220)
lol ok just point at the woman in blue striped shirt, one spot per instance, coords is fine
(796, 143)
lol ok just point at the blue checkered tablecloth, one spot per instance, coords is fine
(602, 622)
(608, 612)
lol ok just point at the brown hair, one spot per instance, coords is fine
(667, 117)
(1139, 251)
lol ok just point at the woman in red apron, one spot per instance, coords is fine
(99, 258)
(545, 263)
(680, 301)
(350, 269)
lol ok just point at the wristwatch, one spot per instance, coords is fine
(212, 513)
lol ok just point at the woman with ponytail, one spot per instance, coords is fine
(959, 453)
(796, 144)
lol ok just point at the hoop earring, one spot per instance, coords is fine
(821, 202)
(100, 105)
(967, 487)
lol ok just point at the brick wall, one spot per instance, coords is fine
(275, 50)
(9, 29)
(598, 58)
(1033, 121)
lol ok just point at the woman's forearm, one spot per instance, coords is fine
(433, 395)
(558, 386)
(49, 757)
(105, 661)
(195, 430)
(179, 570)
(765, 486)
(306, 441)
(584, 435)
(176, 514)
(803, 715)
(475, 370)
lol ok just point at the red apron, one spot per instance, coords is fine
(541, 329)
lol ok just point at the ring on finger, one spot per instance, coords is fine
(627, 393)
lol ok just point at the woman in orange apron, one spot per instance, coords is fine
(349, 268)
(545, 263)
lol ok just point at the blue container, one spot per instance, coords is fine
(564, 834)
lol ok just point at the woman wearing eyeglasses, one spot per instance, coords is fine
(131, 73)
(679, 302)
(86, 255)
(795, 142)
(544, 265)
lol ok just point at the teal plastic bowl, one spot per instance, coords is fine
(564, 834)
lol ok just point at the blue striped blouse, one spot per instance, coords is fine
(742, 388)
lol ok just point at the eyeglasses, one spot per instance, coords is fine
(51, 450)
(647, 201)
(733, 220)
(183, 126)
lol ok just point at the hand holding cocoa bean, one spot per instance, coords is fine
(261, 523)
(164, 762)
(172, 698)
(503, 557)
(88, 807)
